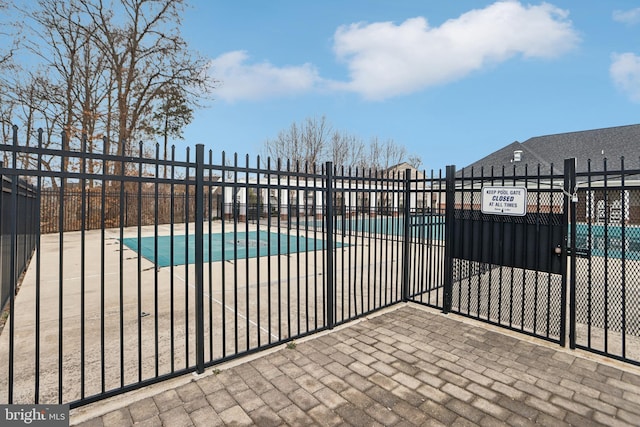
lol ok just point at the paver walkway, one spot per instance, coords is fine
(408, 366)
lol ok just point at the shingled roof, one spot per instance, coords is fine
(610, 143)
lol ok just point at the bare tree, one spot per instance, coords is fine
(383, 155)
(9, 36)
(57, 24)
(8, 45)
(315, 137)
(29, 102)
(415, 161)
(314, 141)
(285, 145)
(303, 143)
(111, 63)
(347, 150)
(146, 56)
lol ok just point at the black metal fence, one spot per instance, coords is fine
(605, 279)
(257, 256)
(261, 253)
(18, 233)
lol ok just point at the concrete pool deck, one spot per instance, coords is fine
(128, 321)
(405, 366)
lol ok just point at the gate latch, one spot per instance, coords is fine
(558, 250)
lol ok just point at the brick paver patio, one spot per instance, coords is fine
(407, 366)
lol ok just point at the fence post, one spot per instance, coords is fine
(13, 277)
(407, 236)
(330, 249)
(569, 188)
(449, 219)
(199, 257)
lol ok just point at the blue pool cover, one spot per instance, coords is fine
(236, 245)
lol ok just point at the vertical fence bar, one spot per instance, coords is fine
(279, 240)
(345, 226)
(199, 258)
(537, 256)
(121, 267)
(607, 219)
(379, 183)
(550, 255)
(623, 257)
(236, 212)
(329, 302)
(246, 254)
(365, 211)
(269, 207)
(568, 217)
(371, 213)
(259, 211)
(63, 180)
(186, 216)
(139, 260)
(288, 258)
(407, 235)
(448, 233)
(210, 192)
(155, 257)
(12, 284)
(390, 236)
(298, 205)
(83, 209)
(396, 233)
(223, 252)
(590, 203)
(316, 217)
(102, 262)
(172, 256)
(38, 268)
(307, 208)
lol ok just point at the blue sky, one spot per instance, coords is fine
(451, 81)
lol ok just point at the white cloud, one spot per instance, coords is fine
(625, 72)
(387, 60)
(240, 80)
(630, 17)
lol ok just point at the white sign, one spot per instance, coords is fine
(504, 201)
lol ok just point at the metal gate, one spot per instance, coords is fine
(501, 269)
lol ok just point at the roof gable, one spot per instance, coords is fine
(401, 168)
(494, 163)
(551, 150)
(597, 144)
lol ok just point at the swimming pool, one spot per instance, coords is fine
(251, 245)
(608, 240)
